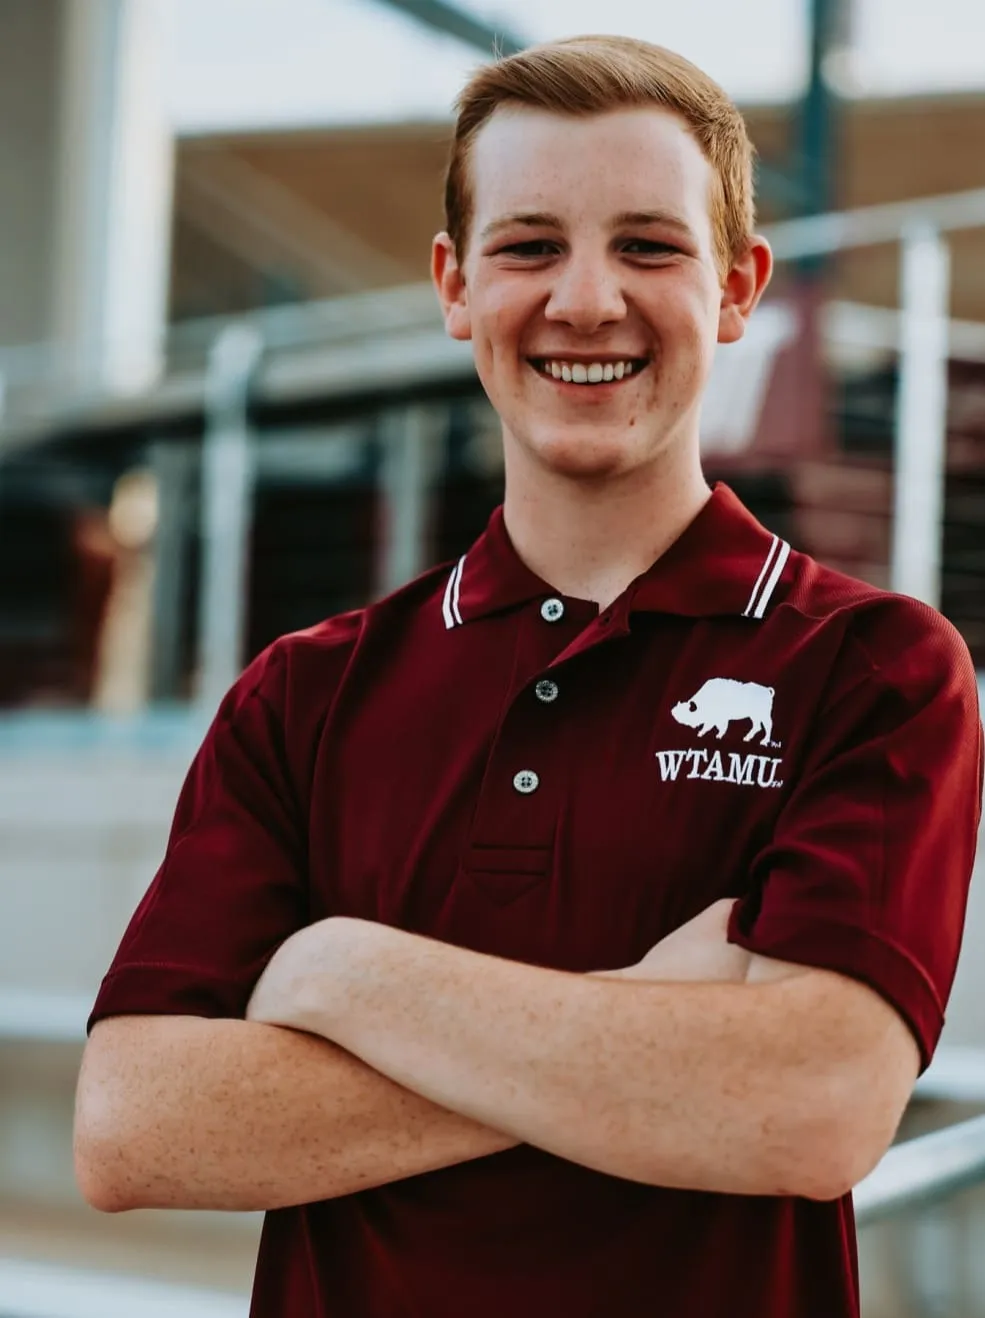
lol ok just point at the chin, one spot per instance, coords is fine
(590, 456)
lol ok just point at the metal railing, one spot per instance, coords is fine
(44, 1290)
(923, 1171)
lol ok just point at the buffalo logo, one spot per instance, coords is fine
(722, 701)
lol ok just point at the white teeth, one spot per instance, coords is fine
(586, 372)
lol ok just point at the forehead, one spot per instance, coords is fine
(630, 160)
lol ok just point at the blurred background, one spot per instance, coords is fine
(228, 409)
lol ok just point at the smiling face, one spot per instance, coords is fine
(589, 287)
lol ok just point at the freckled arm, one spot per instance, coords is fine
(182, 1112)
(741, 1088)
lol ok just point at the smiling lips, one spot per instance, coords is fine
(587, 372)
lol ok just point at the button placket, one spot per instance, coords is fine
(518, 809)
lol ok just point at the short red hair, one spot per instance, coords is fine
(591, 75)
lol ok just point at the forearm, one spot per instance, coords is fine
(699, 1086)
(180, 1112)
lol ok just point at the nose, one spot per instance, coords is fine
(587, 294)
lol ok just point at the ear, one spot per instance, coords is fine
(744, 285)
(449, 281)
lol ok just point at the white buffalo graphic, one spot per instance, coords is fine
(721, 701)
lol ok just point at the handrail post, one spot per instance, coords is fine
(228, 471)
(408, 436)
(921, 415)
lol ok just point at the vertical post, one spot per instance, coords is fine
(937, 1251)
(921, 415)
(114, 184)
(228, 465)
(405, 480)
(174, 468)
(817, 111)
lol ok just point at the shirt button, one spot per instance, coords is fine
(526, 781)
(546, 690)
(552, 610)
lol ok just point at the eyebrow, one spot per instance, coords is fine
(666, 218)
(544, 220)
(532, 220)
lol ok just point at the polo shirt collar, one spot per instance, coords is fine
(725, 562)
(490, 577)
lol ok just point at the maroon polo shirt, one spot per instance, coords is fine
(479, 759)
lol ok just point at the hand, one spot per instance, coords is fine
(307, 981)
(698, 950)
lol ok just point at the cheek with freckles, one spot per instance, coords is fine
(684, 365)
(493, 344)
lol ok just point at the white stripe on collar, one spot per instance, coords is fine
(779, 552)
(449, 605)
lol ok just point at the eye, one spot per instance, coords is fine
(692, 706)
(531, 249)
(647, 247)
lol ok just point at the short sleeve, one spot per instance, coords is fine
(868, 868)
(232, 885)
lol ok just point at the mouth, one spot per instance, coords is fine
(588, 373)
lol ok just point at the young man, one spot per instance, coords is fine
(562, 934)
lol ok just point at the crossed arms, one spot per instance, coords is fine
(369, 1055)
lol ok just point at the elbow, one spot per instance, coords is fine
(103, 1170)
(825, 1184)
(820, 1172)
(835, 1152)
(99, 1177)
(851, 1163)
(822, 1161)
(832, 1178)
(103, 1134)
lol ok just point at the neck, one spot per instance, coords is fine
(590, 538)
